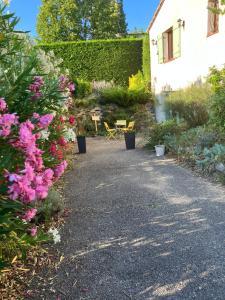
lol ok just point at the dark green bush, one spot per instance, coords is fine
(123, 97)
(83, 88)
(190, 104)
(106, 60)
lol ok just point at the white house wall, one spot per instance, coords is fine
(198, 52)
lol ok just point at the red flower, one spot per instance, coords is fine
(62, 141)
(72, 120)
(53, 148)
(61, 119)
(59, 154)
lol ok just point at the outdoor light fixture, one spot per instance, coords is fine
(154, 42)
(181, 23)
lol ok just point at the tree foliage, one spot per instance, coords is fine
(61, 20)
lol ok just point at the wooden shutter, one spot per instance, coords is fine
(176, 41)
(160, 49)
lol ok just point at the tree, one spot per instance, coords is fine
(59, 20)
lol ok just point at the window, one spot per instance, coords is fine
(169, 44)
(213, 18)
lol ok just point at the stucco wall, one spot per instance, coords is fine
(198, 52)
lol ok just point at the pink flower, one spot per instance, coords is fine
(36, 116)
(3, 104)
(60, 169)
(5, 132)
(45, 120)
(42, 191)
(35, 87)
(29, 214)
(71, 87)
(33, 231)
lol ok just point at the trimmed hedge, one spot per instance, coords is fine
(100, 59)
(146, 59)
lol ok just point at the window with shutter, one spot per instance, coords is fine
(160, 49)
(169, 44)
(213, 17)
(176, 41)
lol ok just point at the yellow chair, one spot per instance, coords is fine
(129, 128)
(111, 132)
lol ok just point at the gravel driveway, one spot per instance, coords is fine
(141, 228)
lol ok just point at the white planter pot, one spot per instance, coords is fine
(160, 150)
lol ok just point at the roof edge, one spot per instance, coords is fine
(155, 15)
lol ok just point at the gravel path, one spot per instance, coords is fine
(141, 228)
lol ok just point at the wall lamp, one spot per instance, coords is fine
(154, 42)
(181, 23)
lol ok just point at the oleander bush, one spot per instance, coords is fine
(35, 128)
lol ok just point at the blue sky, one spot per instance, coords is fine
(138, 13)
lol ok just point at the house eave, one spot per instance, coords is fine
(155, 15)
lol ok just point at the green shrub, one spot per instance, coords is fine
(54, 204)
(190, 104)
(83, 88)
(146, 59)
(100, 59)
(123, 97)
(217, 103)
(137, 82)
(85, 102)
(159, 131)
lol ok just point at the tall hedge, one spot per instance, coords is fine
(100, 59)
(146, 58)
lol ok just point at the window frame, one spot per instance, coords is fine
(168, 54)
(213, 4)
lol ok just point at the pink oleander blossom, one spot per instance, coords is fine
(33, 231)
(45, 120)
(71, 87)
(60, 169)
(29, 215)
(6, 122)
(3, 104)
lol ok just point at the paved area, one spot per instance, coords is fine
(141, 228)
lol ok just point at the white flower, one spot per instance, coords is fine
(55, 234)
(45, 134)
(70, 135)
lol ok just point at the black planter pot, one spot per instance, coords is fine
(130, 140)
(81, 141)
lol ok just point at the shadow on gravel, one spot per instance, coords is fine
(141, 229)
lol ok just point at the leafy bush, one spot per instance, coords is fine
(159, 131)
(53, 204)
(123, 97)
(217, 103)
(137, 82)
(211, 156)
(83, 88)
(190, 104)
(100, 60)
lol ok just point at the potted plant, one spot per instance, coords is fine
(81, 138)
(129, 139)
